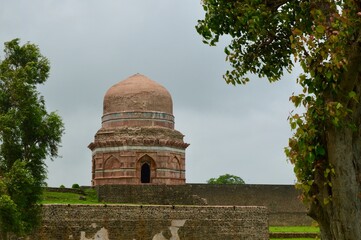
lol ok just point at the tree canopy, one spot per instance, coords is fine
(324, 38)
(28, 134)
(226, 179)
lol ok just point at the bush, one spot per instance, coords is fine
(226, 179)
(62, 186)
(91, 194)
(75, 185)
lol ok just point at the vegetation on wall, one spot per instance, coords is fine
(324, 38)
(28, 134)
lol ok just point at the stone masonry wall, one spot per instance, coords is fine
(132, 222)
(149, 194)
(282, 201)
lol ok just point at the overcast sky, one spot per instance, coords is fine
(94, 44)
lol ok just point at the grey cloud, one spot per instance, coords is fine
(94, 44)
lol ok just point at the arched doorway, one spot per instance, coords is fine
(145, 173)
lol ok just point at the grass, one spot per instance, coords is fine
(293, 229)
(293, 238)
(69, 198)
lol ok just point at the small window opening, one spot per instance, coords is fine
(145, 173)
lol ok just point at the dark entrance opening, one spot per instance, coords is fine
(145, 173)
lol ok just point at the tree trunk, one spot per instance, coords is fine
(3, 236)
(340, 219)
(344, 212)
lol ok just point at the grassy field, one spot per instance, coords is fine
(70, 198)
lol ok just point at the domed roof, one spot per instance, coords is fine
(137, 93)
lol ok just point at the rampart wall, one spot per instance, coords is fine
(282, 201)
(139, 222)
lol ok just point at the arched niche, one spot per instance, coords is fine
(111, 163)
(175, 166)
(146, 169)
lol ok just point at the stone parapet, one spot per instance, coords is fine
(132, 222)
(149, 194)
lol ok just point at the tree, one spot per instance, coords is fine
(324, 38)
(16, 207)
(28, 134)
(226, 179)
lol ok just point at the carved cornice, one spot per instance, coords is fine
(120, 133)
(138, 136)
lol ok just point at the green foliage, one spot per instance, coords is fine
(75, 185)
(16, 201)
(91, 194)
(9, 216)
(226, 179)
(257, 32)
(323, 51)
(28, 134)
(21, 186)
(62, 186)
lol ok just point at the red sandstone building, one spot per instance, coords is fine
(137, 143)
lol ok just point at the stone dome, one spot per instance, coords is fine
(137, 102)
(137, 93)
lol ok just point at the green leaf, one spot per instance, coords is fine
(320, 29)
(353, 95)
(338, 105)
(326, 172)
(329, 75)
